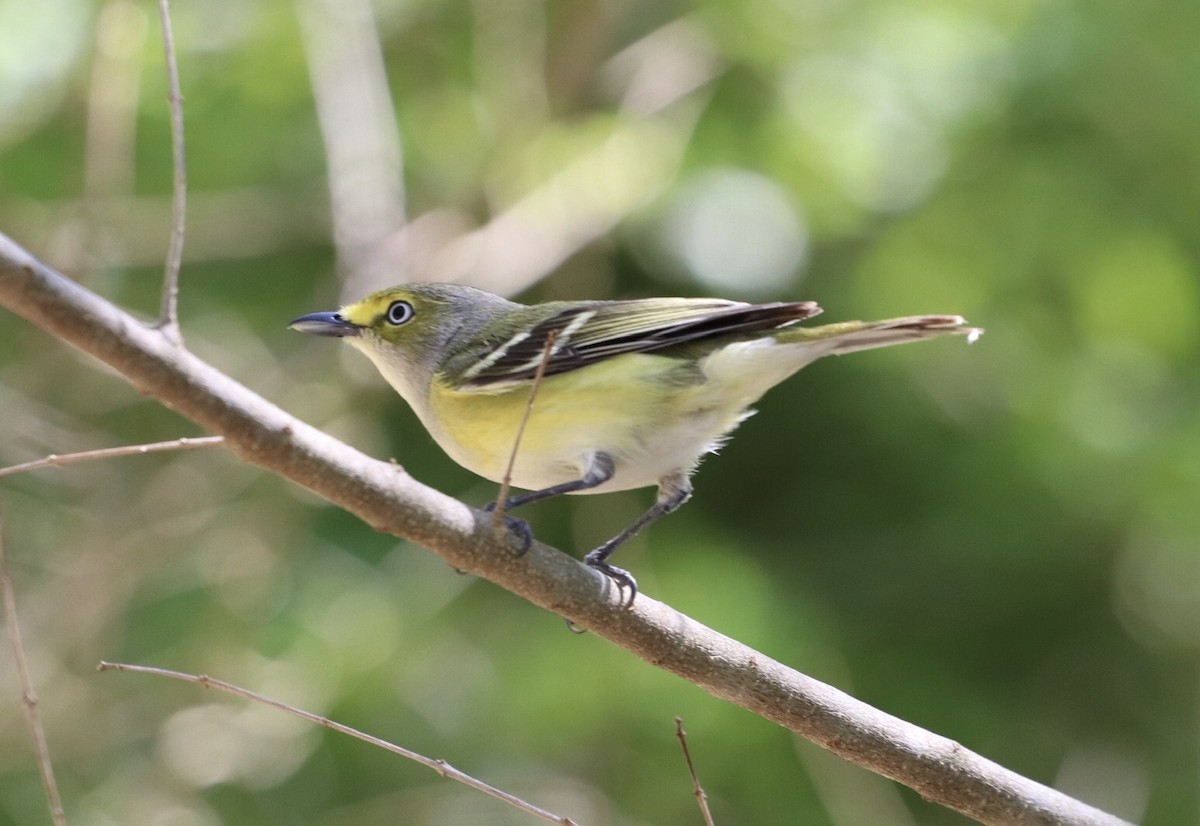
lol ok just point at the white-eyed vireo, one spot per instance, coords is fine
(633, 394)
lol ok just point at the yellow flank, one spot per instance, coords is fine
(640, 409)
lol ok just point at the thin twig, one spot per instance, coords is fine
(506, 483)
(55, 460)
(168, 317)
(440, 766)
(697, 789)
(28, 696)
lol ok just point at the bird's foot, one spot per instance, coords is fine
(624, 580)
(519, 531)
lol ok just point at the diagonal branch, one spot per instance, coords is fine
(387, 498)
(440, 766)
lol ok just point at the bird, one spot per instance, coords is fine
(631, 393)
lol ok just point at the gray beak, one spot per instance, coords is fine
(325, 324)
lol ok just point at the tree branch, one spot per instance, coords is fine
(387, 498)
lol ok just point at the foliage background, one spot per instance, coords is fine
(998, 543)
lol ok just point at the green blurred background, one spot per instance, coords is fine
(996, 542)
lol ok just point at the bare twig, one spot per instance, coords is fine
(168, 317)
(506, 483)
(697, 789)
(28, 694)
(55, 460)
(386, 498)
(440, 766)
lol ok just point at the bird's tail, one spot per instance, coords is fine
(851, 336)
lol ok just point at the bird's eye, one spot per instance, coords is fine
(399, 312)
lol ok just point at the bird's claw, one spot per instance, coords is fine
(624, 580)
(519, 529)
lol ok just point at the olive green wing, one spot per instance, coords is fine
(581, 334)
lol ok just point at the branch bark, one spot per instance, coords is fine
(384, 496)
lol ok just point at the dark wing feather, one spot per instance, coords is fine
(588, 333)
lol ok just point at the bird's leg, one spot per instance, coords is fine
(673, 491)
(600, 469)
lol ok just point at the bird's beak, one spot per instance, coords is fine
(325, 324)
